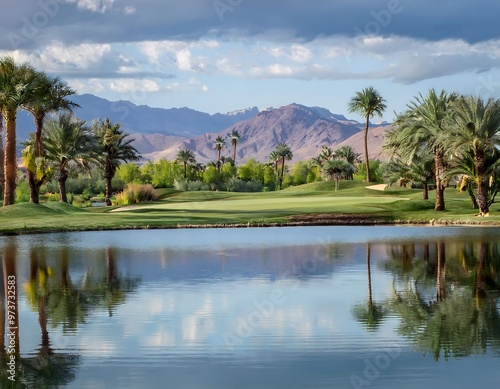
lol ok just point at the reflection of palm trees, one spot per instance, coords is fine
(46, 368)
(370, 314)
(454, 322)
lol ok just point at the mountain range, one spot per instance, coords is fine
(160, 133)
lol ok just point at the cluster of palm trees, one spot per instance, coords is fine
(58, 143)
(337, 164)
(278, 156)
(460, 135)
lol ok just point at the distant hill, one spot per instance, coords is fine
(303, 128)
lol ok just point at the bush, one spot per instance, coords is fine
(135, 193)
(197, 186)
(181, 184)
(237, 185)
(22, 192)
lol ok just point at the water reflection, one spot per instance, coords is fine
(51, 293)
(456, 314)
(222, 313)
(370, 314)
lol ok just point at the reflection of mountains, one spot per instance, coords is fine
(197, 266)
(447, 296)
(59, 301)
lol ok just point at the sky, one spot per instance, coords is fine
(227, 55)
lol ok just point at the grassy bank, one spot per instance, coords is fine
(307, 204)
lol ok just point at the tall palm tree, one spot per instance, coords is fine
(475, 133)
(219, 144)
(235, 137)
(422, 126)
(185, 156)
(114, 148)
(67, 141)
(284, 153)
(368, 102)
(274, 159)
(336, 169)
(15, 90)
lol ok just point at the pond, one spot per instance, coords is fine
(313, 307)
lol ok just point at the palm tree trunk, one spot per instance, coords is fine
(218, 159)
(107, 179)
(63, 176)
(234, 153)
(185, 169)
(10, 166)
(34, 188)
(426, 190)
(367, 160)
(336, 184)
(282, 171)
(439, 167)
(482, 189)
(38, 134)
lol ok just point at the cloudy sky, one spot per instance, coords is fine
(224, 55)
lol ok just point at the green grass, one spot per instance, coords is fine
(177, 208)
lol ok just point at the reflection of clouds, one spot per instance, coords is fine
(161, 338)
(97, 346)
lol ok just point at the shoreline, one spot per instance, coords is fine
(307, 220)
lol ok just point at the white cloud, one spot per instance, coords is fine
(129, 10)
(133, 85)
(100, 6)
(184, 59)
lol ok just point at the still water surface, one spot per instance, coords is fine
(314, 307)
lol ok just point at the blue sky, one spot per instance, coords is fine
(225, 55)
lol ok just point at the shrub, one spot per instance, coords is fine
(197, 186)
(181, 184)
(22, 192)
(135, 193)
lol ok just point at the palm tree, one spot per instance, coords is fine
(185, 156)
(50, 94)
(67, 141)
(420, 127)
(368, 103)
(114, 149)
(336, 169)
(235, 137)
(219, 144)
(326, 153)
(37, 170)
(475, 133)
(347, 153)
(15, 90)
(274, 159)
(284, 153)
